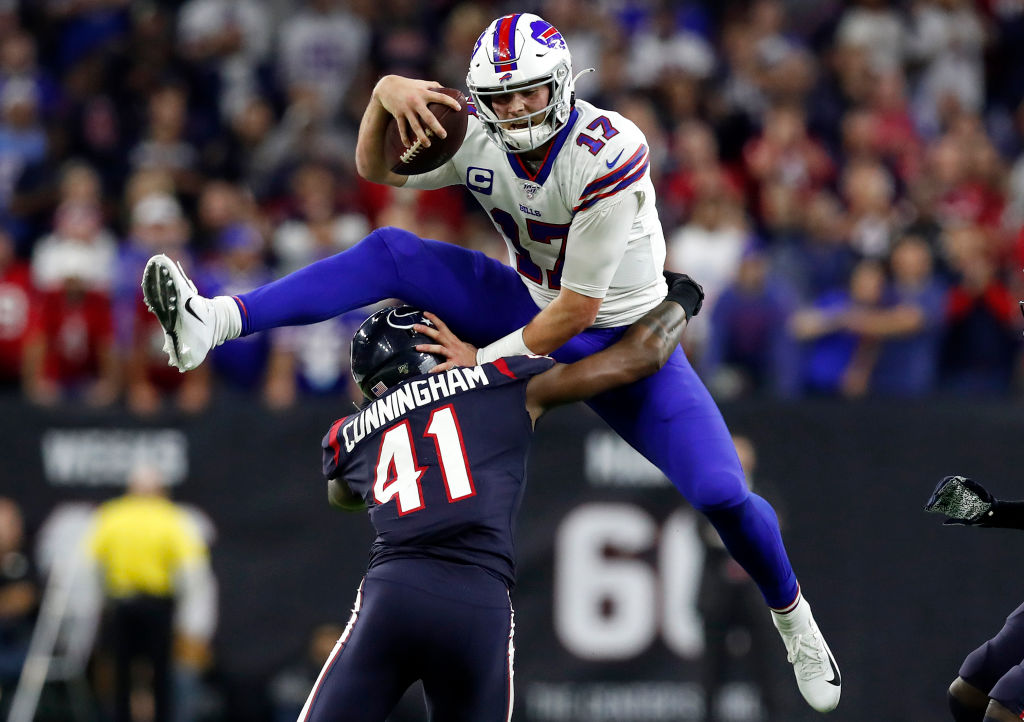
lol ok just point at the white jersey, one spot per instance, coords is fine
(555, 218)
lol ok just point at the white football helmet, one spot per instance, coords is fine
(520, 52)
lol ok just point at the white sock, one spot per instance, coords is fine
(227, 319)
(798, 616)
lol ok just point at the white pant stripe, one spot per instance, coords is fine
(303, 715)
(511, 659)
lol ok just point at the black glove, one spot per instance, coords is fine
(964, 501)
(685, 291)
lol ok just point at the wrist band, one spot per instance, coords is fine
(511, 345)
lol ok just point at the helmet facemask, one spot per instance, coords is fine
(541, 125)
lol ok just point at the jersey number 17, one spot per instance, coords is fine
(539, 232)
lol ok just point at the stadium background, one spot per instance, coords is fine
(797, 146)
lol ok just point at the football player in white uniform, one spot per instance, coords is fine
(567, 185)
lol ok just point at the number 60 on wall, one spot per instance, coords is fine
(609, 604)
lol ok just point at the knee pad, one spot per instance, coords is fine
(723, 494)
(749, 507)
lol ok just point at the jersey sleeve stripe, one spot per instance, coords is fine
(502, 366)
(620, 187)
(617, 174)
(334, 441)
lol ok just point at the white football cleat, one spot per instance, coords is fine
(817, 674)
(187, 318)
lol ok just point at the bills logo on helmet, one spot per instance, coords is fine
(505, 78)
(479, 42)
(546, 34)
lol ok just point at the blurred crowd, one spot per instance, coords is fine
(845, 178)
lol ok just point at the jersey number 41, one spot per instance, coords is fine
(398, 472)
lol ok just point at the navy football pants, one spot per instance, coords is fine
(447, 624)
(997, 666)
(669, 417)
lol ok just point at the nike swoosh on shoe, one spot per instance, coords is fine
(836, 680)
(188, 307)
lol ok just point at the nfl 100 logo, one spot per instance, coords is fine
(530, 189)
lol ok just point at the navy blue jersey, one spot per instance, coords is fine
(440, 461)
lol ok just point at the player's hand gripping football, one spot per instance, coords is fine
(406, 99)
(457, 351)
(964, 501)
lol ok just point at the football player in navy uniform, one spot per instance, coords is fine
(440, 459)
(568, 187)
(990, 685)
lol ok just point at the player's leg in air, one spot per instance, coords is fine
(480, 299)
(990, 685)
(672, 420)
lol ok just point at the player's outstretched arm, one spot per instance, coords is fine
(642, 351)
(406, 99)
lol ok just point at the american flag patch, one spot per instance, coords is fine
(379, 388)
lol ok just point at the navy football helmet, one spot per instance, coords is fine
(384, 350)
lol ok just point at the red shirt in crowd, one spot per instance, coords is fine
(77, 326)
(16, 299)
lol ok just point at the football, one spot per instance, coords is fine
(419, 158)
